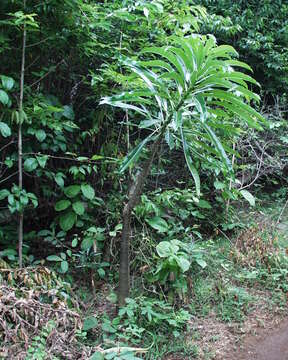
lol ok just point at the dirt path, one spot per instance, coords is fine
(272, 345)
(263, 335)
(269, 344)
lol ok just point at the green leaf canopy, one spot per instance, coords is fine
(188, 91)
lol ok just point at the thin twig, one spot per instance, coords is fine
(39, 42)
(8, 177)
(48, 73)
(4, 147)
(71, 159)
(20, 155)
(281, 213)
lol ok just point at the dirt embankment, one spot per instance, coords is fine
(267, 345)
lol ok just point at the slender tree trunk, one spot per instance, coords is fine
(230, 183)
(20, 167)
(133, 198)
(124, 271)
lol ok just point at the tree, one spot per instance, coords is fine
(183, 93)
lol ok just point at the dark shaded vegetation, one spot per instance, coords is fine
(96, 117)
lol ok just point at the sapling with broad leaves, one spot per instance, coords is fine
(183, 93)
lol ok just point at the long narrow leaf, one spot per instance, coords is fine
(167, 54)
(242, 114)
(134, 154)
(223, 51)
(238, 63)
(223, 95)
(125, 106)
(218, 146)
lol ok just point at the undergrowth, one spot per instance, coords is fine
(229, 287)
(223, 278)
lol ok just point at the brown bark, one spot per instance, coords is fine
(134, 196)
(20, 156)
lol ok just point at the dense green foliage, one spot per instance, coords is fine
(72, 61)
(111, 87)
(258, 30)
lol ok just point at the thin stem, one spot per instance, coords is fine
(281, 213)
(20, 155)
(230, 183)
(8, 177)
(48, 73)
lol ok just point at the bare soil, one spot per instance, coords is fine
(267, 345)
(263, 335)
